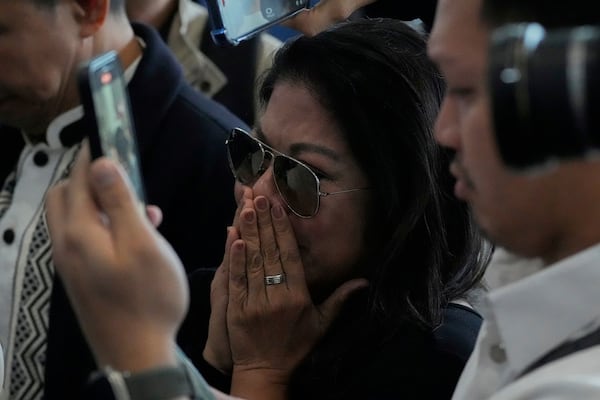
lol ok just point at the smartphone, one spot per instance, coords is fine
(107, 116)
(234, 21)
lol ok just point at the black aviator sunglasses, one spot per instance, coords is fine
(297, 184)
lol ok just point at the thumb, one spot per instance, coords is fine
(331, 307)
(114, 195)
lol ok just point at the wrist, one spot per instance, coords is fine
(165, 382)
(144, 354)
(159, 383)
(259, 383)
(212, 360)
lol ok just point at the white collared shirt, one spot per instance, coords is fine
(525, 320)
(28, 250)
(22, 207)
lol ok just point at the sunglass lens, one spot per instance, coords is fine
(246, 157)
(297, 185)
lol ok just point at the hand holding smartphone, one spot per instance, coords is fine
(107, 116)
(234, 21)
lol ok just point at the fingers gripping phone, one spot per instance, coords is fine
(107, 116)
(234, 21)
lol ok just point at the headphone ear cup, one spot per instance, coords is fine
(543, 85)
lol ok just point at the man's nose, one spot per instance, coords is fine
(447, 125)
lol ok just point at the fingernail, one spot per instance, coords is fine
(106, 175)
(277, 211)
(249, 216)
(261, 203)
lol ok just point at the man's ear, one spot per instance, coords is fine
(91, 15)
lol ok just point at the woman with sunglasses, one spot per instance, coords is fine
(348, 247)
(348, 262)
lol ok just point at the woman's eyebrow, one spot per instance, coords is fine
(298, 148)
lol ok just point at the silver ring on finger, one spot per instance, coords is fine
(274, 279)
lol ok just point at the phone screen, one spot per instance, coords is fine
(113, 118)
(242, 19)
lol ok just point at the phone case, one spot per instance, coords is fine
(124, 145)
(272, 12)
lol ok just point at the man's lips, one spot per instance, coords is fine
(462, 185)
(456, 170)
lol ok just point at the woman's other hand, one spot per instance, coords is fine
(217, 351)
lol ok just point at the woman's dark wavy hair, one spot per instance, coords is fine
(376, 80)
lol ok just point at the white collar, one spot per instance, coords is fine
(538, 313)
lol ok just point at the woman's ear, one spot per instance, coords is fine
(90, 14)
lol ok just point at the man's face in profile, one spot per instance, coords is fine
(500, 198)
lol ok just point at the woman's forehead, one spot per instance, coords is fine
(294, 115)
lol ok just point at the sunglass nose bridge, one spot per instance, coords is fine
(267, 160)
